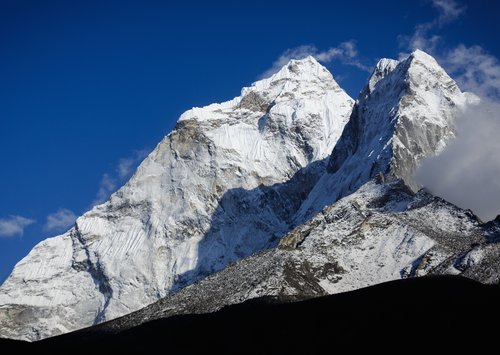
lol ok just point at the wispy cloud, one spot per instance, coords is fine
(60, 220)
(345, 53)
(299, 52)
(14, 225)
(107, 186)
(449, 11)
(467, 172)
(123, 171)
(423, 38)
(126, 166)
(475, 69)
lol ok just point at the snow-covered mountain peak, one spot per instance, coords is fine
(307, 69)
(383, 67)
(296, 81)
(422, 56)
(405, 113)
(418, 70)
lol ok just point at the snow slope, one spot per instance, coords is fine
(211, 193)
(379, 233)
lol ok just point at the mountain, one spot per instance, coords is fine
(212, 192)
(291, 190)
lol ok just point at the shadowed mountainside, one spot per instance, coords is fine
(418, 313)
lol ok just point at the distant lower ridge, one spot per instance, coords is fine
(418, 312)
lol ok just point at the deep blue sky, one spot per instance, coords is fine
(84, 84)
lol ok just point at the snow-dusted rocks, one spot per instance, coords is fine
(379, 233)
(405, 113)
(213, 191)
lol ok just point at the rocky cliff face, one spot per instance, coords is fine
(223, 185)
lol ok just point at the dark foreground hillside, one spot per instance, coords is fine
(404, 316)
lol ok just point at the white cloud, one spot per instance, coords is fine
(475, 70)
(346, 53)
(14, 225)
(345, 50)
(467, 172)
(293, 53)
(448, 11)
(421, 40)
(60, 220)
(126, 166)
(106, 187)
(124, 170)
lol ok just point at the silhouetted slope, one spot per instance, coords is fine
(419, 313)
